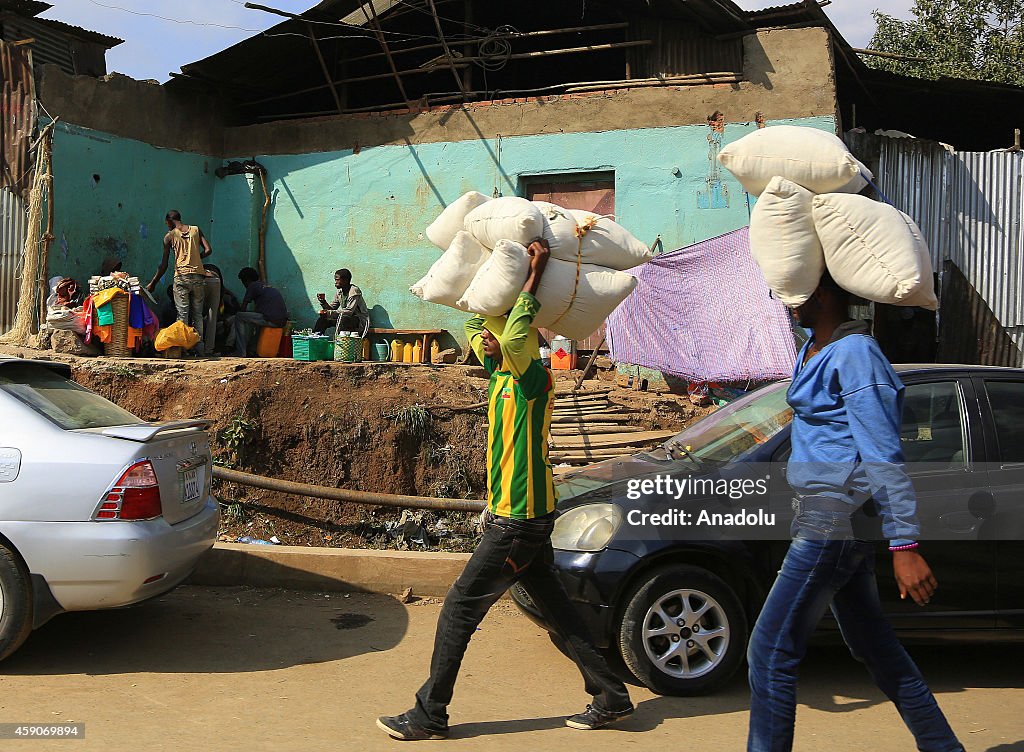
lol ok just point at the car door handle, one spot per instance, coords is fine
(982, 505)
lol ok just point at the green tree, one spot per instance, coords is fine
(976, 39)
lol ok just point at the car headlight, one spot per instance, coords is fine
(586, 528)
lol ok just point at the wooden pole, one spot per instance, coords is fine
(323, 67)
(447, 52)
(263, 227)
(590, 364)
(387, 51)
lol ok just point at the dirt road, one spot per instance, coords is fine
(237, 669)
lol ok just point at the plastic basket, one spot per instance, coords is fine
(348, 349)
(311, 348)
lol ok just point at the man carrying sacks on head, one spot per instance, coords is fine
(517, 525)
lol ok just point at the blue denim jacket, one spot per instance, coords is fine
(847, 403)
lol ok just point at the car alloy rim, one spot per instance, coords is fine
(686, 633)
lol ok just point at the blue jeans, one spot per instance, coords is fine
(510, 551)
(826, 567)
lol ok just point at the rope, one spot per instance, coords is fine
(879, 191)
(581, 230)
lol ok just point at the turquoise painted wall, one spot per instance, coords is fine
(367, 210)
(111, 195)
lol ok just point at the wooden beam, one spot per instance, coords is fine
(323, 67)
(444, 44)
(890, 55)
(387, 52)
(462, 61)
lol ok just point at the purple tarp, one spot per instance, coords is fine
(703, 313)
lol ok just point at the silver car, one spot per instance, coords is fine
(98, 509)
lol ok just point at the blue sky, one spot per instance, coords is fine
(156, 46)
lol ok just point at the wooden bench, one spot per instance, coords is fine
(426, 334)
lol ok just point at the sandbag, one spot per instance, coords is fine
(177, 334)
(784, 243)
(604, 242)
(450, 276)
(874, 250)
(815, 159)
(442, 231)
(599, 293)
(509, 218)
(499, 281)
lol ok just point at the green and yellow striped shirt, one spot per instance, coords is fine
(520, 399)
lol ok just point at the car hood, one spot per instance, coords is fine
(604, 481)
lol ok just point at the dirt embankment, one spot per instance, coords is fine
(369, 427)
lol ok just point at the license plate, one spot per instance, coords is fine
(192, 485)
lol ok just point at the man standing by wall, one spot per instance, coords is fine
(348, 309)
(847, 401)
(516, 543)
(270, 309)
(190, 247)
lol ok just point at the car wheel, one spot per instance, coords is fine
(15, 603)
(683, 631)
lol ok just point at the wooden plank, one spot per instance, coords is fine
(594, 430)
(599, 418)
(615, 440)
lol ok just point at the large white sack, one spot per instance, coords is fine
(451, 274)
(874, 250)
(784, 243)
(451, 221)
(815, 159)
(605, 242)
(498, 282)
(599, 293)
(508, 218)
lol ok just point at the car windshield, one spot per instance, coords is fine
(738, 427)
(63, 402)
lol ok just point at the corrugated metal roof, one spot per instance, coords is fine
(24, 7)
(78, 31)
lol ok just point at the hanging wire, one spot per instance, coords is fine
(495, 49)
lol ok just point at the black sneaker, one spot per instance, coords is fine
(592, 718)
(405, 729)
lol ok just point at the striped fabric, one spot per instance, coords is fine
(520, 483)
(703, 313)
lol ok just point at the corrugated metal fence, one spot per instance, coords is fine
(13, 225)
(970, 206)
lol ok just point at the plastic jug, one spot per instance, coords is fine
(396, 351)
(366, 349)
(417, 352)
(435, 352)
(407, 353)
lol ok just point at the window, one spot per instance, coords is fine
(587, 191)
(63, 402)
(1007, 401)
(933, 426)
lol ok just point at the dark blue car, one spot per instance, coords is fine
(679, 612)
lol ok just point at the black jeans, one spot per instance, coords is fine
(511, 551)
(346, 323)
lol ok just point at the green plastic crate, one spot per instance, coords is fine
(311, 348)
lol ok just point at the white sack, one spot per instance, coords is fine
(508, 218)
(499, 281)
(451, 221)
(606, 243)
(784, 243)
(451, 274)
(600, 292)
(815, 159)
(874, 250)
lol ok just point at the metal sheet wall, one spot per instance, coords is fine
(17, 103)
(970, 207)
(13, 225)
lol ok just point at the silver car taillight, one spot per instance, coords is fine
(135, 495)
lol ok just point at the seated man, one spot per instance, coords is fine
(270, 309)
(348, 309)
